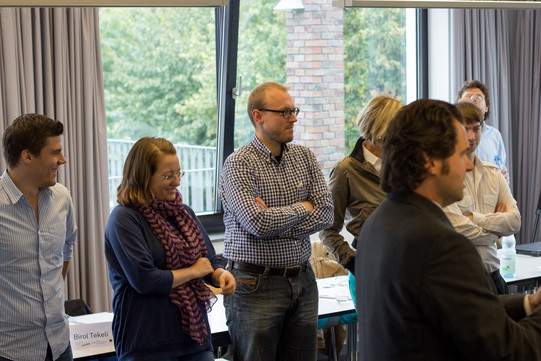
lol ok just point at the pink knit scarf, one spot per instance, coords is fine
(182, 249)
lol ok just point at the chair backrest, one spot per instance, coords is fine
(76, 307)
(324, 263)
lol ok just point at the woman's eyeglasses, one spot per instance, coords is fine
(170, 177)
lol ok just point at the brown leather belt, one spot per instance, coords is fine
(292, 271)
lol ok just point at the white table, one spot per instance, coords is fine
(329, 307)
(528, 269)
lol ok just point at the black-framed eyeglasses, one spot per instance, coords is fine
(286, 113)
(170, 177)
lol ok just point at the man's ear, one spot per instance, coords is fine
(431, 165)
(258, 116)
(26, 156)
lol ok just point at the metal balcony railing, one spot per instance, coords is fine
(198, 185)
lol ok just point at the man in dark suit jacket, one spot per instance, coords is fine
(422, 291)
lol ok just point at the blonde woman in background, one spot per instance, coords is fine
(354, 181)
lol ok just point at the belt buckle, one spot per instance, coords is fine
(296, 270)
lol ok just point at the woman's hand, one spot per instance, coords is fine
(199, 269)
(225, 280)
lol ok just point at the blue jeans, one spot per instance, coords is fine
(273, 319)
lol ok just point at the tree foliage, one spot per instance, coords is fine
(159, 73)
(261, 56)
(159, 67)
(374, 61)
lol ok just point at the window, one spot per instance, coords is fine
(334, 60)
(159, 69)
(160, 73)
(378, 59)
(261, 56)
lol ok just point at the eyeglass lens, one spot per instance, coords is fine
(477, 98)
(288, 112)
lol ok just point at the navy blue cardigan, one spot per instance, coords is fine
(146, 325)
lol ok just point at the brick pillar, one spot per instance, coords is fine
(315, 73)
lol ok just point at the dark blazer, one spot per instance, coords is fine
(423, 294)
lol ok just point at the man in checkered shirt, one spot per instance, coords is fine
(274, 196)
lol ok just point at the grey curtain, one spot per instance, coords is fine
(527, 87)
(480, 51)
(50, 63)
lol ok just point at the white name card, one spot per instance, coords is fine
(92, 330)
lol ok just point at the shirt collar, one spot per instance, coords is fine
(372, 159)
(14, 194)
(265, 152)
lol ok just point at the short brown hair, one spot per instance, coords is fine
(257, 98)
(375, 116)
(470, 112)
(140, 165)
(423, 128)
(28, 131)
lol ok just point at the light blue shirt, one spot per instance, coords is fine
(491, 148)
(31, 260)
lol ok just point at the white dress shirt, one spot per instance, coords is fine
(485, 188)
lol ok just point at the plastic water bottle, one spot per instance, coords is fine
(508, 257)
(498, 162)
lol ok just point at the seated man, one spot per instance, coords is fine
(488, 210)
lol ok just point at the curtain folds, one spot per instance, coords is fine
(482, 48)
(480, 51)
(50, 63)
(527, 87)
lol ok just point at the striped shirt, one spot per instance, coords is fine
(279, 235)
(31, 259)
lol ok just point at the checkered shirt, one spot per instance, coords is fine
(279, 235)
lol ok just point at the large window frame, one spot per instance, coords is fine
(227, 35)
(227, 23)
(227, 28)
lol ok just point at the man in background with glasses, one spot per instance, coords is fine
(274, 196)
(491, 149)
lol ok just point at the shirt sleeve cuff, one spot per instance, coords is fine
(527, 307)
(300, 209)
(478, 218)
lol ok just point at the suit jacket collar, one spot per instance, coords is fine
(419, 201)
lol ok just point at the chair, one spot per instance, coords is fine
(331, 335)
(76, 307)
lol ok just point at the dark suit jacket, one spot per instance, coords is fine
(423, 294)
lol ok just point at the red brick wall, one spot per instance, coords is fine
(315, 73)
